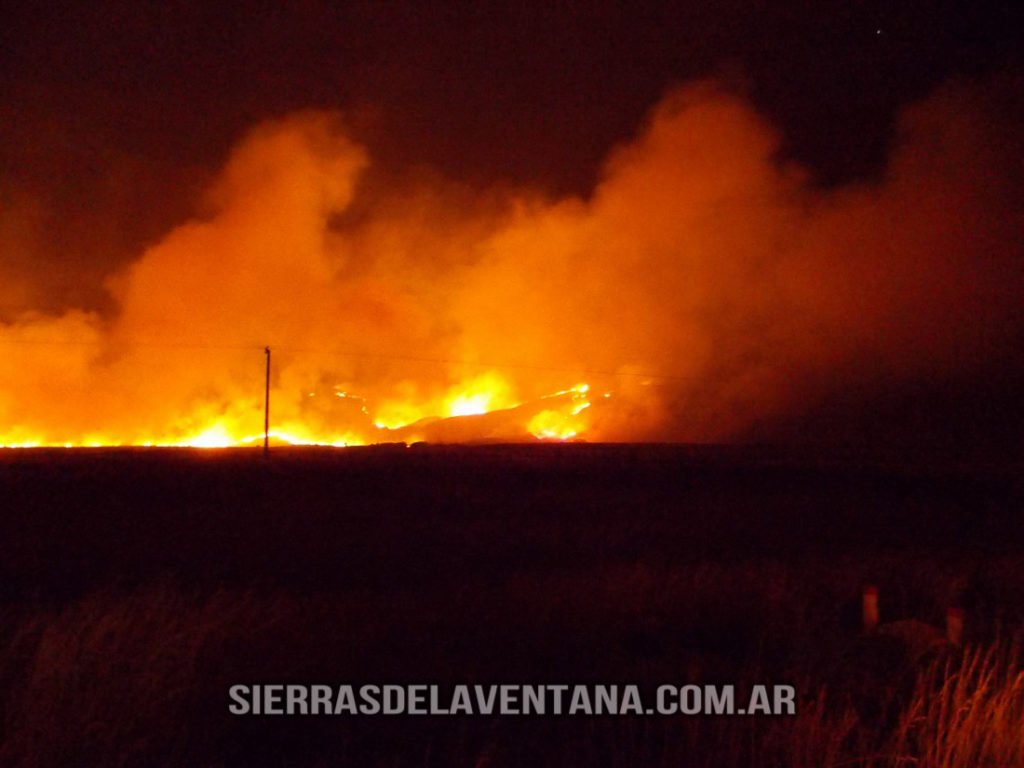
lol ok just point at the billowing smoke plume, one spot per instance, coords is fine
(703, 288)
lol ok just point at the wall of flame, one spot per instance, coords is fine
(703, 286)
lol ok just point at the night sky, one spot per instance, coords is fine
(114, 113)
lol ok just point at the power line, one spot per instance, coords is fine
(130, 343)
(486, 364)
(482, 364)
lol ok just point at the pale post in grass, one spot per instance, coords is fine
(869, 604)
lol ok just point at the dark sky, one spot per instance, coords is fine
(113, 114)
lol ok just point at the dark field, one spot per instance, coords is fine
(137, 586)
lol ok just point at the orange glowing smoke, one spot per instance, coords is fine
(702, 287)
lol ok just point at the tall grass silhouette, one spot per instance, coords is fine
(139, 678)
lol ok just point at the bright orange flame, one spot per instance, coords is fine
(565, 422)
(216, 436)
(556, 416)
(487, 392)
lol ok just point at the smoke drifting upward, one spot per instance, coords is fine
(703, 288)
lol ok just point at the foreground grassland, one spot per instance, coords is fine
(137, 586)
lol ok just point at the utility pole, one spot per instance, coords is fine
(266, 407)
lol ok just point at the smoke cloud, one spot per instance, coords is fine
(705, 288)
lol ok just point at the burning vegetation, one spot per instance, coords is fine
(704, 287)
